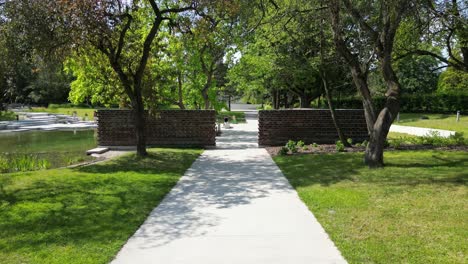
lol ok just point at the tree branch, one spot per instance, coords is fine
(122, 36)
(358, 18)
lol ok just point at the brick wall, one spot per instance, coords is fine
(167, 128)
(276, 127)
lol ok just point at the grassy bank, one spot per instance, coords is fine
(439, 121)
(83, 215)
(413, 211)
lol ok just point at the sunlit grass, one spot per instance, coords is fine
(83, 215)
(7, 116)
(412, 211)
(439, 121)
(80, 112)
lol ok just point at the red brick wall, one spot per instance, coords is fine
(166, 128)
(276, 127)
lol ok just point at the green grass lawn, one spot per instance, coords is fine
(240, 116)
(440, 121)
(83, 215)
(7, 116)
(81, 112)
(415, 210)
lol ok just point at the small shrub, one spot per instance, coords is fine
(3, 164)
(458, 139)
(350, 141)
(283, 151)
(340, 146)
(300, 144)
(365, 143)
(305, 148)
(292, 146)
(397, 142)
(314, 145)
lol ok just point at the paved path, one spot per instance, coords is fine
(420, 131)
(232, 206)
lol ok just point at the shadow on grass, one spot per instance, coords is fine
(402, 168)
(155, 162)
(324, 169)
(89, 207)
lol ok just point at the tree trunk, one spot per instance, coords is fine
(205, 90)
(333, 113)
(140, 125)
(360, 80)
(374, 151)
(181, 98)
(206, 99)
(305, 100)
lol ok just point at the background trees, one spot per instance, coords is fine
(203, 54)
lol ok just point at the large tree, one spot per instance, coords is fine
(122, 31)
(378, 28)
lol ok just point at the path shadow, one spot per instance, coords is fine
(215, 182)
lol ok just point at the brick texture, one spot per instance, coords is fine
(166, 128)
(276, 127)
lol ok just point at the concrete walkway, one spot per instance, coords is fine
(420, 131)
(232, 206)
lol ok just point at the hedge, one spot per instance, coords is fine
(428, 103)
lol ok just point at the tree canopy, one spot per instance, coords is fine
(195, 54)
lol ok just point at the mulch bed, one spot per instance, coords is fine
(331, 148)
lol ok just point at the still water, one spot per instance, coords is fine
(44, 149)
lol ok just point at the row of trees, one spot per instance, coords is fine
(147, 54)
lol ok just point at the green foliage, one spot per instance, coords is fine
(453, 81)
(300, 144)
(429, 103)
(314, 145)
(339, 146)
(350, 141)
(24, 162)
(95, 82)
(291, 146)
(283, 151)
(7, 116)
(364, 143)
(431, 139)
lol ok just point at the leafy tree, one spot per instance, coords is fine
(123, 31)
(443, 24)
(378, 28)
(453, 81)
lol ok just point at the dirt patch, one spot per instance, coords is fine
(331, 148)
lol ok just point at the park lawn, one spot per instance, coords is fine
(439, 121)
(86, 214)
(412, 211)
(7, 116)
(81, 112)
(240, 116)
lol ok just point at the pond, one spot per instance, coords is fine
(32, 150)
